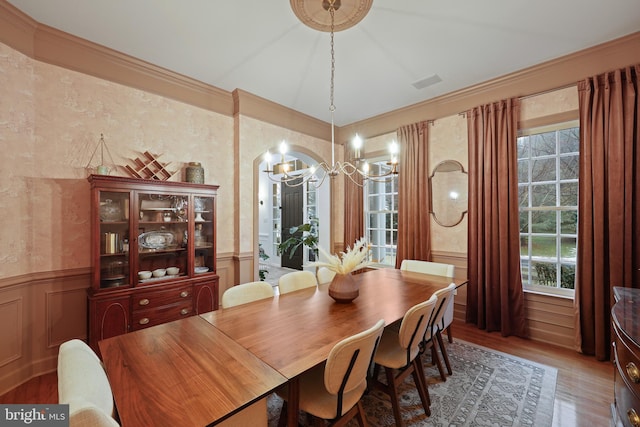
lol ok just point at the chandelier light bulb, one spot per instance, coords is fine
(365, 168)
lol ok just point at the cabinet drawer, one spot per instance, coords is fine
(145, 318)
(627, 404)
(628, 364)
(153, 299)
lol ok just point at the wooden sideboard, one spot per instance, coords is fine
(625, 317)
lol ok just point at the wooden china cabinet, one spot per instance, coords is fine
(143, 227)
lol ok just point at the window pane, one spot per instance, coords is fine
(388, 202)
(543, 195)
(569, 222)
(523, 171)
(374, 203)
(543, 222)
(524, 245)
(569, 140)
(523, 147)
(524, 222)
(543, 144)
(523, 196)
(567, 276)
(569, 194)
(543, 170)
(569, 167)
(525, 270)
(568, 248)
(545, 274)
(543, 247)
(373, 221)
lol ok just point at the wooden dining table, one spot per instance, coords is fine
(183, 373)
(201, 370)
(296, 331)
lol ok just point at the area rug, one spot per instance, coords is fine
(487, 388)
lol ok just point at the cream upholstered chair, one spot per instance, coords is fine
(83, 385)
(245, 293)
(332, 391)
(437, 269)
(433, 335)
(296, 280)
(325, 275)
(399, 355)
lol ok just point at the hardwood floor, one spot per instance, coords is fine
(584, 389)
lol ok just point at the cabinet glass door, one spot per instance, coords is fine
(163, 234)
(203, 237)
(114, 239)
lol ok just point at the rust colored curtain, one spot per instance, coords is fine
(495, 299)
(414, 234)
(353, 206)
(609, 202)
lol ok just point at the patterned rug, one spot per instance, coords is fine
(487, 388)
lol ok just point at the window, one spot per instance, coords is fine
(548, 160)
(381, 215)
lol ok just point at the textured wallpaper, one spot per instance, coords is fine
(50, 124)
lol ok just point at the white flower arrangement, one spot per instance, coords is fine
(353, 259)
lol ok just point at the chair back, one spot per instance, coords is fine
(428, 267)
(325, 275)
(414, 326)
(445, 298)
(83, 385)
(296, 280)
(246, 293)
(349, 360)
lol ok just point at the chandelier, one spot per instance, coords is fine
(358, 169)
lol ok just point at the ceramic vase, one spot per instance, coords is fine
(343, 288)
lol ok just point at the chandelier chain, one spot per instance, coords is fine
(332, 106)
(316, 175)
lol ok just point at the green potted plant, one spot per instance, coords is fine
(262, 271)
(304, 234)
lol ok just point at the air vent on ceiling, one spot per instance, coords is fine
(427, 81)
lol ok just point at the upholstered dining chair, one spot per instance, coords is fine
(246, 292)
(332, 391)
(296, 280)
(399, 355)
(83, 385)
(437, 269)
(324, 275)
(433, 335)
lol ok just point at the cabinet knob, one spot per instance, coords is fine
(634, 419)
(144, 321)
(143, 301)
(634, 372)
(184, 311)
(184, 294)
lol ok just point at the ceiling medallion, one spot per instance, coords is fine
(313, 13)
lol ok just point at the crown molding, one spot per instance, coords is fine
(248, 104)
(550, 75)
(16, 28)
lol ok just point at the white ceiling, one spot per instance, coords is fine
(262, 48)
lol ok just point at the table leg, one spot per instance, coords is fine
(293, 402)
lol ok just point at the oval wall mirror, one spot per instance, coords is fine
(449, 193)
